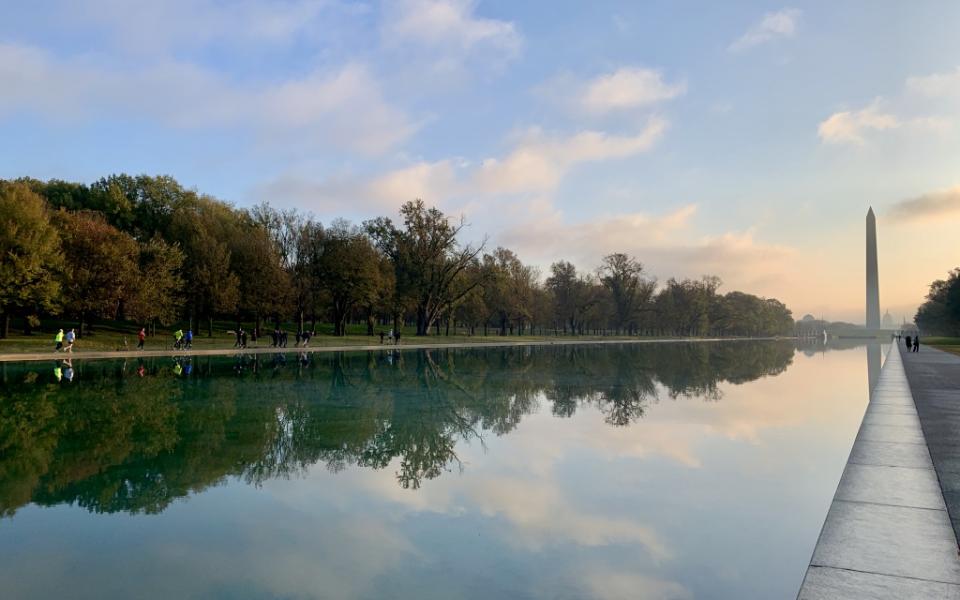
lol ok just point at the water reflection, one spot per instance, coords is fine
(873, 366)
(133, 436)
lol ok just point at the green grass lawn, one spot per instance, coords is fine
(948, 344)
(111, 337)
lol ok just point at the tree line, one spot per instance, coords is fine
(146, 250)
(940, 313)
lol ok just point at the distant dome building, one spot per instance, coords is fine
(888, 321)
(808, 318)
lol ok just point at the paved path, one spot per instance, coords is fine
(35, 356)
(887, 534)
(934, 378)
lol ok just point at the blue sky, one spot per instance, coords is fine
(744, 139)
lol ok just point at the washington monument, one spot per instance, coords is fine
(873, 285)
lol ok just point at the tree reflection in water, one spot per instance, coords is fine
(135, 435)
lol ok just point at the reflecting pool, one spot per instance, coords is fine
(656, 471)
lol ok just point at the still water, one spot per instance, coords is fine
(656, 471)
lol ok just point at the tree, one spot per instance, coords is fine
(159, 285)
(349, 270)
(684, 307)
(101, 266)
(203, 232)
(571, 295)
(427, 259)
(941, 311)
(622, 275)
(508, 290)
(29, 254)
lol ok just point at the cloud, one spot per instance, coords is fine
(539, 162)
(667, 244)
(780, 24)
(344, 107)
(535, 165)
(849, 127)
(147, 26)
(628, 88)
(448, 26)
(936, 85)
(929, 206)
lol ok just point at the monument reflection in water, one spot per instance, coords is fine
(659, 470)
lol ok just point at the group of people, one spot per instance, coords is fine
(65, 341)
(913, 343)
(181, 340)
(393, 337)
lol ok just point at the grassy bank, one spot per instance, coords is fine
(948, 344)
(110, 338)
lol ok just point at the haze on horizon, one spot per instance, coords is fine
(745, 140)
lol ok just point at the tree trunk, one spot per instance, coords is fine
(5, 326)
(210, 327)
(423, 326)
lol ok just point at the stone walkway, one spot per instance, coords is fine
(934, 378)
(35, 356)
(887, 534)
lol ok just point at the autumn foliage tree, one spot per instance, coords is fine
(100, 270)
(30, 250)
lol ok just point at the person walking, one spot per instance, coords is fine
(381, 337)
(141, 338)
(188, 339)
(916, 343)
(283, 338)
(70, 338)
(236, 344)
(909, 345)
(59, 340)
(243, 339)
(396, 337)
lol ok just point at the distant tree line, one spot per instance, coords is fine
(940, 314)
(146, 250)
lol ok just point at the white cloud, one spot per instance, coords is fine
(535, 166)
(926, 105)
(780, 24)
(539, 162)
(448, 26)
(849, 127)
(628, 88)
(344, 107)
(667, 243)
(936, 85)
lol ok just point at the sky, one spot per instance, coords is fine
(741, 139)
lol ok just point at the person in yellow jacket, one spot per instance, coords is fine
(59, 340)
